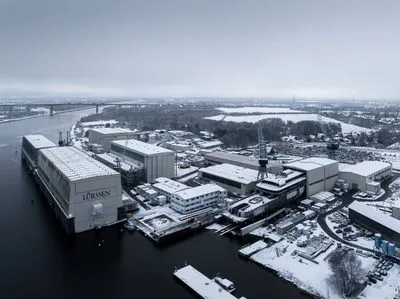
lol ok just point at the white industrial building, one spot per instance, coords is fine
(83, 192)
(367, 175)
(238, 160)
(233, 178)
(321, 173)
(104, 136)
(157, 161)
(31, 144)
(168, 187)
(197, 198)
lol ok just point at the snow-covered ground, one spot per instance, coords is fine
(385, 289)
(361, 241)
(303, 273)
(99, 123)
(258, 110)
(346, 128)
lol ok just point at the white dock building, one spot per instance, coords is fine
(83, 192)
(193, 199)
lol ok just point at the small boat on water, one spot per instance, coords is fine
(226, 284)
(130, 226)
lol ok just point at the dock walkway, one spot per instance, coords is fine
(201, 284)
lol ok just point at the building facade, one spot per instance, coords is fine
(364, 176)
(157, 161)
(104, 136)
(233, 178)
(83, 192)
(197, 198)
(321, 173)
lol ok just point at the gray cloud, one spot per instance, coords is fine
(193, 48)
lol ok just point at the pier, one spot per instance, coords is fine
(201, 284)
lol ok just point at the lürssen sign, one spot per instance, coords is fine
(96, 194)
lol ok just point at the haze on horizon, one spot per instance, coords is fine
(227, 48)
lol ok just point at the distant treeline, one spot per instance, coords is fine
(191, 118)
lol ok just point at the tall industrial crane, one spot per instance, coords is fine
(262, 159)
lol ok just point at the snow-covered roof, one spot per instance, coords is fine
(99, 123)
(169, 186)
(324, 195)
(232, 172)
(254, 201)
(367, 168)
(310, 163)
(140, 147)
(111, 131)
(125, 165)
(225, 156)
(208, 144)
(278, 182)
(198, 191)
(376, 215)
(76, 165)
(39, 141)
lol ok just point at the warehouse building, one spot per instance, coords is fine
(367, 175)
(83, 192)
(157, 161)
(31, 144)
(321, 173)
(197, 198)
(233, 178)
(215, 158)
(104, 136)
(375, 220)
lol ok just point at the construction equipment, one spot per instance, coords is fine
(262, 158)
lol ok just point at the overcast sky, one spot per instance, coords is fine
(169, 48)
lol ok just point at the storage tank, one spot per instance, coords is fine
(385, 245)
(378, 241)
(391, 249)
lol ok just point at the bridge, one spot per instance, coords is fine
(51, 106)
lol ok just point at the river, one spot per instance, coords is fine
(37, 260)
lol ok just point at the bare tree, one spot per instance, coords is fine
(347, 273)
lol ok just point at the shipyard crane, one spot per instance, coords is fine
(262, 158)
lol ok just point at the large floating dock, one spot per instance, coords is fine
(202, 285)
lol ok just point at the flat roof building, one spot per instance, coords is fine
(321, 173)
(197, 198)
(83, 192)
(364, 176)
(105, 136)
(31, 144)
(233, 178)
(375, 220)
(238, 160)
(157, 161)
(168, 187)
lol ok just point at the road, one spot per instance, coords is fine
(347, 199)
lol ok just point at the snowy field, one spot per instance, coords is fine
(385, 289)
(258, 110)
(346, 128)
(303, 273)
(99, 123)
